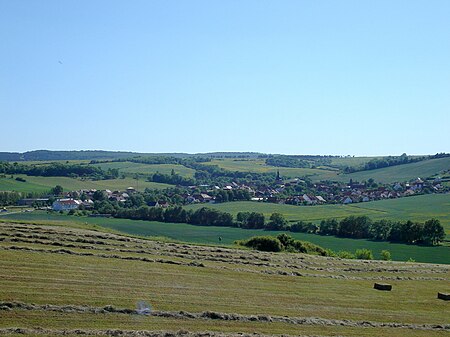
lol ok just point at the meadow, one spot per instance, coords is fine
(57, 280)
(44, 184)
(210, 235)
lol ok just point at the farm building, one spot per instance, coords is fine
(66, 204)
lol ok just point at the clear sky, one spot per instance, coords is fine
(300, 77)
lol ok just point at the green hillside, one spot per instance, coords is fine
(423, 169)
(419, 208)
(44, 184)
(129, 168)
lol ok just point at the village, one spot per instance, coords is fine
(282, 192)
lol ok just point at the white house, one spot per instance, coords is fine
(66, 204)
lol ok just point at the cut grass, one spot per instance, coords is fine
(223, 286)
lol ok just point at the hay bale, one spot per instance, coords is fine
(444, 296)
(382, 286)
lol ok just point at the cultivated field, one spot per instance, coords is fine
(259, 166)
(56, 280)
(129, 168)
(44, 184)
(423, 169)
(391, 174)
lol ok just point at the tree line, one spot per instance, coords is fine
(58, 170)
(431, 232)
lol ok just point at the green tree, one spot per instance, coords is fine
(433, 232)
(277, 222)
(57, 190)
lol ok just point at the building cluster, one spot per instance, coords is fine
(280, 192)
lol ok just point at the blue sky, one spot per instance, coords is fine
(299, 77)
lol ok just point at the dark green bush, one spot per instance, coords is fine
(264, 243)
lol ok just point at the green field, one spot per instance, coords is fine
(259, 166)
(129, 168)
(44, 184)
(418, 208)
(67, 275)
(210, 235)
(423, 169)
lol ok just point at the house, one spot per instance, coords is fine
(163, 204)
(203, 197)
(66, 204)
(347, 200)
(398, 187)
(320, 198)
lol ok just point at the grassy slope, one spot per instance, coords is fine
(210, 235)
(129, 168)
(418, 208)
(259, 166)
(422, 169)
(61, 279)
(44, 184)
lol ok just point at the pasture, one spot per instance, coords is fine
(44, 184)
(56, 280)
(210, 235)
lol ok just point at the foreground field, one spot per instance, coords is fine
(210, 235)
(80, 282)
(44, 184)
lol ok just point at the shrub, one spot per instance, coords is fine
(364, 254)
(264, 243)
(343, 254)
(386, 255)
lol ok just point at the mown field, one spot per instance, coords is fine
(44, 184)
(418, 208)
(57, 280)
(210, 235)
(129, 168)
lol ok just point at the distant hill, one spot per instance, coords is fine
(108, 155)
(423, 169)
